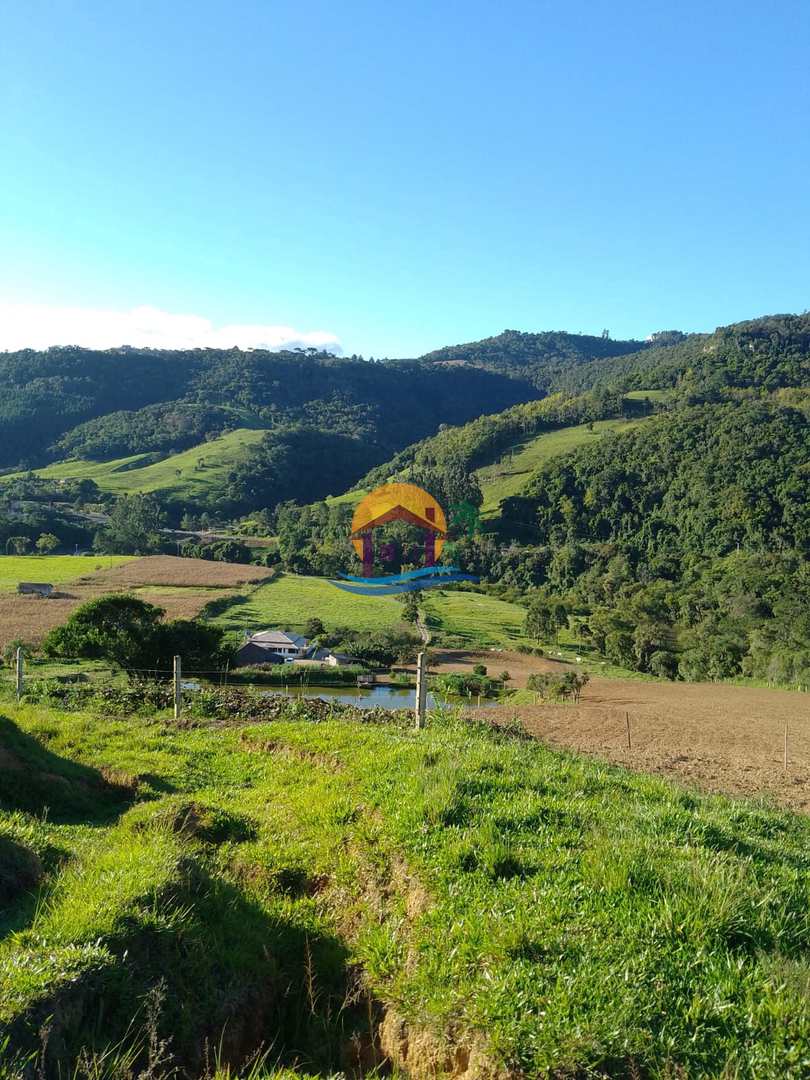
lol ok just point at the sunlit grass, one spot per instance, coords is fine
(191, 473)
(53, 569)
(508, 475)
(556, 914)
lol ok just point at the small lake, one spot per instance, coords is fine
(385, 697)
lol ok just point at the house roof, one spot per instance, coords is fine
(273, 639)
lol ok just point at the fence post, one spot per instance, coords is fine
(19, 666)
(178, 693)
(627, 720)
(421, 689)
(786, 744)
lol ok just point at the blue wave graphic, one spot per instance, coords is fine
(408, 575)
(401, 586)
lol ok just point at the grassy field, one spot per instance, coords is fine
(471, 897)
(473, 620)
(291, 600)
(55, 569)
(509, 473)
(653, 395)
(348, 498)
(191, 473)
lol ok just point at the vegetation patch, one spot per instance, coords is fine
(527, 911)
(291, 600)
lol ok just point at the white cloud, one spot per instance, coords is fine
(37, 326)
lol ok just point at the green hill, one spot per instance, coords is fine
(113, 403)
(767, 353)
(193, 475)
(537, 357)
(511, 472)
(352, 893)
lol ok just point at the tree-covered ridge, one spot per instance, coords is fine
(682, 544)
(540, 357)
(45, 395)
(469, 446)
(698, 481)
(765, 353)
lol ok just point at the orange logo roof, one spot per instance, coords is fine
(398, 502)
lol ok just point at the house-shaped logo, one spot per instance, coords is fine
(398, 502)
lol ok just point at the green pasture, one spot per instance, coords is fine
(290, 600)
(191, 473)
(508, 475)
(653, 395)
(53, 569)
(472, 620)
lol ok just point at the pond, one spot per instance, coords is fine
(367, 697)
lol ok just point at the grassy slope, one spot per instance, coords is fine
(290, 600)
(510, 470)
(547, 912)
(56, 569)
(509, 473)
(124, 476)
(471, 620)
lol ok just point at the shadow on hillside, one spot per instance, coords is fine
(34, 779)
(229, 981)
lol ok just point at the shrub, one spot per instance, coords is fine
(558, 687)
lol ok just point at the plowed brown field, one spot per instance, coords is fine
(716, 737)
(182, 586)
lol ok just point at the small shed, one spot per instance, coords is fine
(35, 588)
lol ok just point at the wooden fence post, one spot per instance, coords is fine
(19, 666)
(786, 744)
(421, 689)
(627, 720)
(178, 692)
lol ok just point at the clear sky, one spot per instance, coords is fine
(399, 176)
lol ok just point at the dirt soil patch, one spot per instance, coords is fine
(181, 586)
(171, 570)
(727, 739)
(718, 738)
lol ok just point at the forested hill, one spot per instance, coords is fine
(698, 481)
(104, 404)
(765, 353)
(540, 358)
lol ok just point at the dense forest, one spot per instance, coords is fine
(539, 358)
(145, 399)
(762, 354)
(682, 543)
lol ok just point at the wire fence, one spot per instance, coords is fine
(32, 676)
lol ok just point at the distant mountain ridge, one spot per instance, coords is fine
(537, 357)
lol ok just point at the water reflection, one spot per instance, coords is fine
(386, 697)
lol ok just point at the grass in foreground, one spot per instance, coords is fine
(55, 569)
(544, 912)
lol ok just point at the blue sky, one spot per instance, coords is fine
(399, 176)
